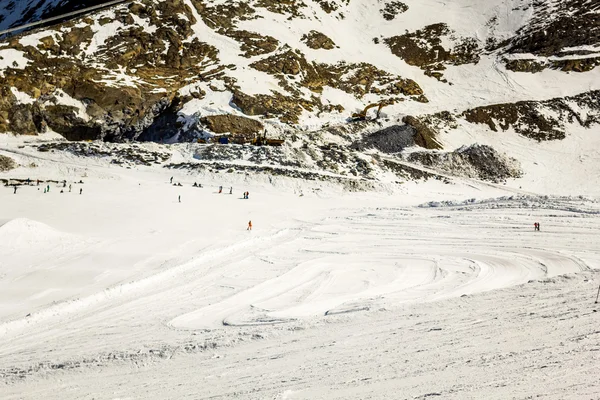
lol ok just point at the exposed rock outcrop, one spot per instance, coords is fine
(232, 124)
(475, 161)
(317, 40)
(7, 163)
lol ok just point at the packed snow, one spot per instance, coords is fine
(121, 284)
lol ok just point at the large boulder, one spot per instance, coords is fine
(231, 124)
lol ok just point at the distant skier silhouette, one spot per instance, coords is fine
(249, 226)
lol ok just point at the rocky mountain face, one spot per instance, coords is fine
(158, 70)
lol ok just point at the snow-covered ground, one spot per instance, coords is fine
(419, 290)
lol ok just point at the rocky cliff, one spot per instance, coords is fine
(179, 69)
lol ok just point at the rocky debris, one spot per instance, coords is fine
(350, 184)
(539, 120)
(565, 65)
(423, 48)
(407, 172)
(392, 9)
(118, 154)
(317, 40)
(232, 124)
(522, 65)
(7, 163)
(475, 161)
(393, 139)
(425, 135)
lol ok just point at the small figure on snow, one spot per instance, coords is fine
(171, 179)
(179, 198)
(15, 190)
(80, 190)
(249, 226)
(220, 189)
(231, 190)
(69, 188)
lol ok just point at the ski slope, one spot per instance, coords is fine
(414, 289)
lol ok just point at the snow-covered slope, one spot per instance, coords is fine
(426, 289)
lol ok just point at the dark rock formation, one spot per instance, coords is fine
(475, 161)
(7, 163)
(390, 140)
(392, 9)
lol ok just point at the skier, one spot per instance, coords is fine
(247, 195)
(231, 190)
(15, 190)
(69, 188)
(220, 189)
(48, 188)
(249, 226)
(538, 226)
(171, 179)
(179, 198)
(80, 190)
(195, 184)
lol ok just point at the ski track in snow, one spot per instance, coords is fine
(125, 280)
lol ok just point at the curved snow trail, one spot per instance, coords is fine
(340, 257)
(387, 258)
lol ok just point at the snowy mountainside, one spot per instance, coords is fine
(156, 70)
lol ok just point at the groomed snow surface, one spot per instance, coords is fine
(423, 290)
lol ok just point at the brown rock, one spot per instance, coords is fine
(232, 124)
(317, 40)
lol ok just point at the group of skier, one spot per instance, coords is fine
(246, 195)
(47, 187)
